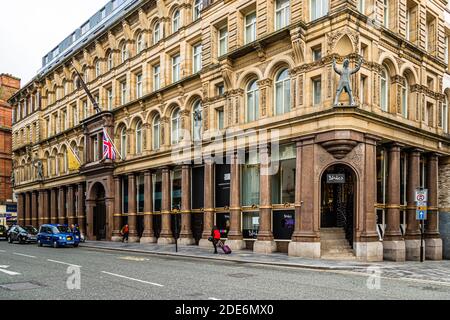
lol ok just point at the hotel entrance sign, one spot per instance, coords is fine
(336, 178)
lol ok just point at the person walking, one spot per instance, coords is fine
(125, 233)
(215, 235)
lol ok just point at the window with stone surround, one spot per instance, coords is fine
(156, 133)
(319, 8)
(282, 14)
(250, 28)
(412, 12)
(430, 34)
(252, 101)
(384, 89)
(176, 23)
(282, 92)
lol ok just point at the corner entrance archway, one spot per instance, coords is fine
(338, 202)
(99, 227)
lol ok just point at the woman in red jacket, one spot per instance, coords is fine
(215, 234)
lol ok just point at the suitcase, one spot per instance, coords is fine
(226, 249)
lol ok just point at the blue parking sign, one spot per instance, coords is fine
(421, 215)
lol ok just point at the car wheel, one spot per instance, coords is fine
(10, 240)
(55, 244)
(39, 243)
(75, 245)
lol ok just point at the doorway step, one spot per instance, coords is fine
(334, 245)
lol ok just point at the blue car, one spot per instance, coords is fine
(57, 235)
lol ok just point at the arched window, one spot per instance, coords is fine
(110, 61)
(156, 143)
(176, 126)
(49, 166)
(176, 21)
(139, 137)
(252, 101)
(282, 92)
(124, 53)
(384, 90)
(198, 6)
(282, 14)
(405, 97)
(140, 43)
(197, 120)
(97, 68)
(123, 142)
(156, 33)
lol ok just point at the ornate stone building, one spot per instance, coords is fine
(175, 77)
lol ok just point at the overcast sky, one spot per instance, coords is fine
(29, 29)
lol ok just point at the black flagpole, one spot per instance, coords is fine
(89, 94)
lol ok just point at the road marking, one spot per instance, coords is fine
(65, 263)
(24, 255)
(2, 251)
(11, 273)
(128, 278)
(214, 299)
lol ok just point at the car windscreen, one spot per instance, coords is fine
(61, 229)
(30, 230)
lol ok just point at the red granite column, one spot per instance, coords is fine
(305, 240)
(148, 236)
(235, 238)
(53, 206)
(367, 245)
(166, 236)
(46, 215)
(412, 236)
(90, 204)
(20, 209)
(393, 245)
(265, 242)
(41, 208)
(62, 205)
(209, 203)
(132, 212)
(81, 214)
(27, 209)
(70, 205)
(433, 243)
(34, 209)
(186, 237)
(117, 209)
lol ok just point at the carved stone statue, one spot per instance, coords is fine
(40, 169)
(344, 82)
(198, 124)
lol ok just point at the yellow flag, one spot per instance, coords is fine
(74, 162)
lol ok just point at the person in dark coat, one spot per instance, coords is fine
(215, 234)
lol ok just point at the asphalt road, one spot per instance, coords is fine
(29, 272)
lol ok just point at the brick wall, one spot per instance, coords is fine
(8, 86)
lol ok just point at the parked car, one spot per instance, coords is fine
(3, 233)
(57, 235)
(25, 234)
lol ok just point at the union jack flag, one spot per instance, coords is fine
(109, 150)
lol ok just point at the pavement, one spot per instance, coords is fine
(28, 272)
(432, 271)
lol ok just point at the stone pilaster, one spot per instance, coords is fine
(265, 242)
(81, 214)
(70, 205)
(41, 208)
(368, 247)
(393, 245)
(433, 242)
(186, 237)
(209, 203)
(53, 206)
(46, 214)
(148, 236)
(27, 218)
(132, 212)
(166, 236)
(61, 206)
(412, 236)
(20, 209)
(117, 219)
(305, 240)
(235, 238)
